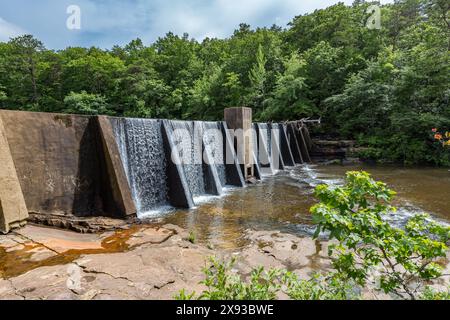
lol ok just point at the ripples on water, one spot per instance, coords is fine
(282, 202)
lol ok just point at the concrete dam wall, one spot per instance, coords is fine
(72, 166)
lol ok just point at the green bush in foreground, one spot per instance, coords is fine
(430, 294)
(401, 260)
(223, 284)
(398, 261)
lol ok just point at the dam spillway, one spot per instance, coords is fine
(142, 153)
(64, 168)
(214, 145)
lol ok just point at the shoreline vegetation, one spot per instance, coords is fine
(386, 88)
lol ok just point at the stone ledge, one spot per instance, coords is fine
(81, 224)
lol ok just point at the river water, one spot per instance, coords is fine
(282, 202)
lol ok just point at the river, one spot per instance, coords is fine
(282, 202)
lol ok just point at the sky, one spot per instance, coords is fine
(104, 23)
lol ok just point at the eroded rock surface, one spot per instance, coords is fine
(303, 256)
(155, 264)
(142, 262)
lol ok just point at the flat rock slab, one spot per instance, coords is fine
(148, 272)
(156, 264)
(149, 235)
(60, 240)
(275, 249)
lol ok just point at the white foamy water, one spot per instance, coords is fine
(156, 213)
(306, 174)
(199, 200)
(142, 152)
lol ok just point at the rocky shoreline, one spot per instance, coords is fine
(138, 262)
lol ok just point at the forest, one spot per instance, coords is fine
(386, 88)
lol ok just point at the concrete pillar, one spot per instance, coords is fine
(13, 210)
(116, 178)
(285, 147)
(295, 147)
(212, 180)
(276, 138)
(179, 194)
(240, 120)
(303, 145)
(232, 167)
(264, 154)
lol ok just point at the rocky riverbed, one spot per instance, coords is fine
(138, 262)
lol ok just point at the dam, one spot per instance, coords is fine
(62, 170)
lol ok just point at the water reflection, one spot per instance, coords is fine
(282, 202)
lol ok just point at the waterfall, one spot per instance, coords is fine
(276, 149)
(142, 152)
(285, 148)
(264, 148)
(255, 142)
(188, 141)
(199, 168)
(214, 145)
(267, 137)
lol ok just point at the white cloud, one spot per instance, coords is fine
(9, 30)
(219, 18)
(105, 23)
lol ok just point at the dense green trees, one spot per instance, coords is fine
(384, 87)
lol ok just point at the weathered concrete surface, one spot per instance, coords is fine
(13, 211)
(276, 145)
(58, 164)
(240, 120)
(117, 179)
(264, 155)
(212, 181)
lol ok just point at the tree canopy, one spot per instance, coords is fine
(384, 87)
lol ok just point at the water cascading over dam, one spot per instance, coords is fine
(62, 170)
(214, 146)
(143, 156)
(187, 137)
(268, 147)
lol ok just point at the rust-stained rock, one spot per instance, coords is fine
(60, 240)
(13, 211)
